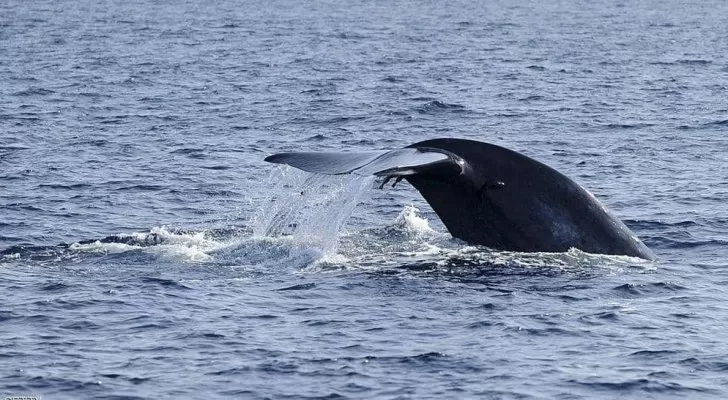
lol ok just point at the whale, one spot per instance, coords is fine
(489, 195)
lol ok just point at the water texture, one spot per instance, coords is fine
(147, 251)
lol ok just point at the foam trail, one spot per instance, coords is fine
(190, 246)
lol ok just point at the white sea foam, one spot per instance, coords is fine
(410, 222)
(103, 247)
(192, 246)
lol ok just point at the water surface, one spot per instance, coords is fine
(147, 251)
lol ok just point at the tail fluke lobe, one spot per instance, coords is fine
(394, 163)
(327, 163)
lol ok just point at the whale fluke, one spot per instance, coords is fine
(489, 195)
(399, 162)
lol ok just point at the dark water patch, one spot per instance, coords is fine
(694, 62)
(56, 186)
(278, 367)
(532, 98)
(265, 316)
(629, 126)
(13, 147)
(315, 138)
(167, 283)
(131, 379)
(600, 318)
(655, 354)
(142, 188)
(607, 315)
(196, 153)
(55, 287)
(656, 225)
(34, 91)
(36, 318)
(643, 289)
(392, 79)
(7, 315)
(719, 123)
(722, 122)
(545, 332)
(684, 315)
(232, 371)
(73, 303)
(639, 385)
(217, 167)
(302, 286)
(59, 384)
(437, 106)
(81, 326)
(718, 365)
(571, 299)
(322, 323)
(490, 307)
(672, 243)
(484, 324)
(343, 120)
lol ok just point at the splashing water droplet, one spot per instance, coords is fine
(312, 209)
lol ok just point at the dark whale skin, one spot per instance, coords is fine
(489, 195)
(506, 200)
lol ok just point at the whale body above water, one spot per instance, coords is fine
(489, 195)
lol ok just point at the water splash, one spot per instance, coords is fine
(411, 223)
(311, 209)
(160, 241)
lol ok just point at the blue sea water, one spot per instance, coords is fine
(147, 251)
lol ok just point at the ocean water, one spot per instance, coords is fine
(147, 251)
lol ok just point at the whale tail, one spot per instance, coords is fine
(489, 195)
(397, 163)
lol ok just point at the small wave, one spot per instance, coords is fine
(631, 289)
(437, 106)
(34, 91)
(722, 122)
(715, 365)
(74, 186)
(303, 286)
(634, 385)
(315, 138)
(683, 243)
(13, 147)
(694, 62)
(392, 79)
(685, 61)
(532, 98)
(653, 224)
(164, 282)
(187, 150)
(629, 126)
(654, 354)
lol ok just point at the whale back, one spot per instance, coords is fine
(506, 200)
